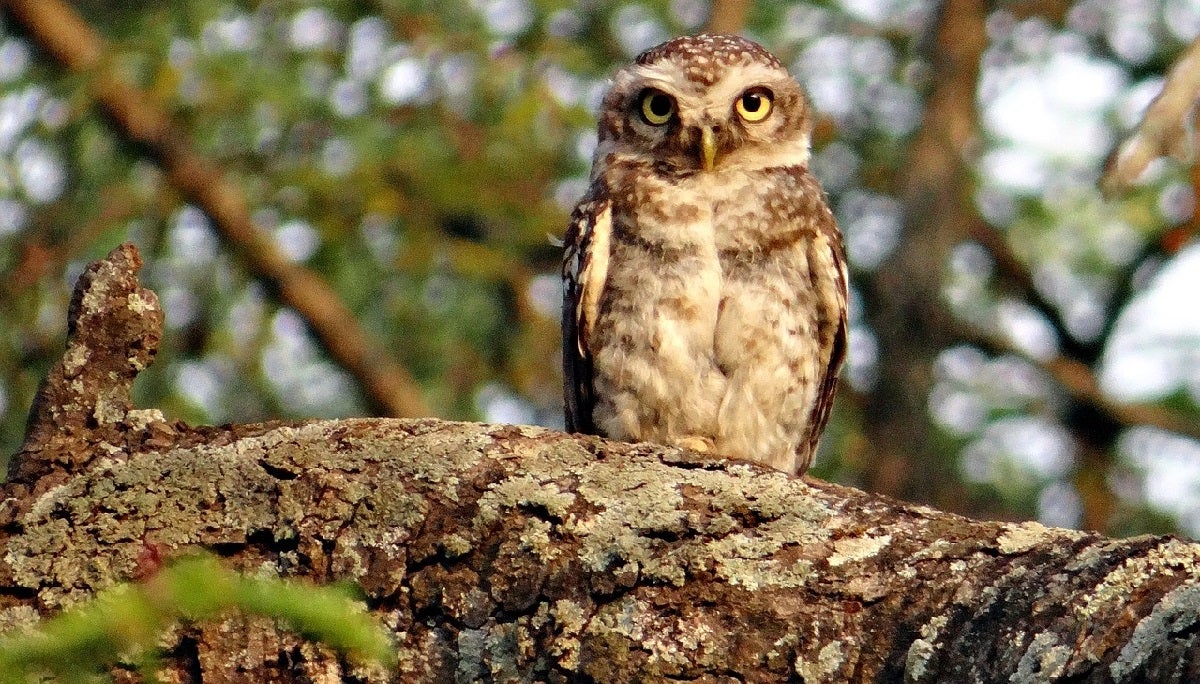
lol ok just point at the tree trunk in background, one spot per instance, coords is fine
(508, 553)
(904, 299)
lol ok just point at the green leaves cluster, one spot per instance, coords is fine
(123, 624)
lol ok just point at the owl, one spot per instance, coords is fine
(704, 275)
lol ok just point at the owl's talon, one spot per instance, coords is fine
(695, 443)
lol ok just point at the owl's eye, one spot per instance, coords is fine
(754, 105)
(657, 107)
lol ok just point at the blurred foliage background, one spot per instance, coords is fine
(341, 203)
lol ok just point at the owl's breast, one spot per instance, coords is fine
(654, 374)
(664, 257)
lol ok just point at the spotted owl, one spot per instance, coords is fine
(704, 275)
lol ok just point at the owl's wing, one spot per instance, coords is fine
(827, 261)
(585, 268)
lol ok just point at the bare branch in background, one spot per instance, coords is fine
(1078, 381)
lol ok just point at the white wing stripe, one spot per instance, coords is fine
(594, 274)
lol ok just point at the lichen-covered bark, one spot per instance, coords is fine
(508, 553)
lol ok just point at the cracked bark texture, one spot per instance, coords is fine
(508, 553)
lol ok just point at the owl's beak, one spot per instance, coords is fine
(708, 147)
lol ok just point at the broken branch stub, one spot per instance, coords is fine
(114, 326)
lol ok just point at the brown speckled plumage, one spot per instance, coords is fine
(705, 282)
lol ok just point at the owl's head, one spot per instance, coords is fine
(705, 103)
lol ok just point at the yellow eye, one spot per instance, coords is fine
(657, 107)
(754, 105)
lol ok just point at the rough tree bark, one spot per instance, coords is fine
(509, 553)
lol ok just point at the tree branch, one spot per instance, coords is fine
(1079, 382)
(1073, 374)
(1016, 278)
(516, 553)
(62, 33)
